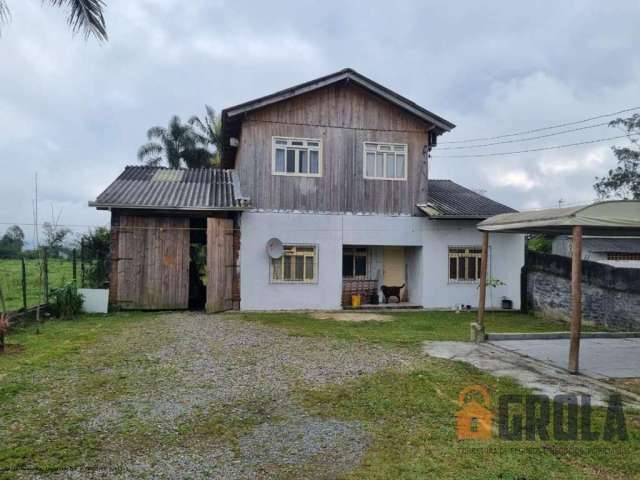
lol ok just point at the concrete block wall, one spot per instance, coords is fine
(610, 296)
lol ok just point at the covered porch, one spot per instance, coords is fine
(609, 218)
(381, 276)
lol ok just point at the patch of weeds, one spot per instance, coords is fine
(225, 424)
(411, 417)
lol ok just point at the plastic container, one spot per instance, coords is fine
(356, 300)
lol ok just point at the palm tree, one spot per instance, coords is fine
(85, 15)
(178, 144)
(209, 132)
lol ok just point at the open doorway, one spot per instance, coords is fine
(197, 263)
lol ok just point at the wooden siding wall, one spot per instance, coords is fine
(152, 262)
(342, 188)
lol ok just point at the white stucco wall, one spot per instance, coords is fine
(427, 258)
(506, 258)
(256, 291)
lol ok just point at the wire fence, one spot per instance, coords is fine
(28, 282)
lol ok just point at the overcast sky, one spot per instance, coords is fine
(76, 111)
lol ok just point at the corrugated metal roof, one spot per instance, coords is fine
(166, 188)
(617, 218)
(447, 199)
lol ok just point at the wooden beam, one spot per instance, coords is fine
(576, 299)
(483, 280)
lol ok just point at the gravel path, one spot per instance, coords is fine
(210, 397)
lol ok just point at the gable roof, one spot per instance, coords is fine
(448, 200)
(346, 74)
(173, 189)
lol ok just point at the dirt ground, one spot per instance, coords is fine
(353, 317)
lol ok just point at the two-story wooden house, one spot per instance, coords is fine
(323, 193)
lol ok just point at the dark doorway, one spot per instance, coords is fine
(197, 263)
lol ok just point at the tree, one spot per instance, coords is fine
(12, 242)
(96, 254)
(84, 15)
(624, 180)
(209, 131)
(177, 144)
(540, 243)
(54, 238)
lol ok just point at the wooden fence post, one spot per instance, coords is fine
(82, 263)
(3, 318)
(75, 266)
(24, 284)
(45, 273)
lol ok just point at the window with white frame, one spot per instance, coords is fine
(297, 156)
(464, 264)
(298, 264)
(385, 161)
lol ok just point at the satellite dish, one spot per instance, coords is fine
(275, 249)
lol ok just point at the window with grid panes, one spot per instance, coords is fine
(464, 264)
(297, 157)
(298, 264)
(385, 161)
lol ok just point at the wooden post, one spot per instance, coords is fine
(478, 328)
(45, 273)
(4, 320)
(24, 285)
(81, 263)
(75, 267)
(576, 299)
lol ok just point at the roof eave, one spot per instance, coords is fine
(109, 206)
(458, 217)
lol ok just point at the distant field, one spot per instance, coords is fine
(60, 272)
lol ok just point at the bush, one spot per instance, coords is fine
(96, 255)
(65, 301)
(540, 243)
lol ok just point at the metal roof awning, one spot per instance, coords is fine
(618, 217)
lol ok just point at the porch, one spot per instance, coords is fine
(382, 276)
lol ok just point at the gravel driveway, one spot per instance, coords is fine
(213, 397)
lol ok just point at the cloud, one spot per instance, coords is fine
(518, 179)
(76, 112)
(247, 49)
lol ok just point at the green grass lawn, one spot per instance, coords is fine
(60, 272)
(409, 416)
(408, 327)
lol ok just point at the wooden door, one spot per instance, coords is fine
(153, 263)
(220, 264)
(393, 265)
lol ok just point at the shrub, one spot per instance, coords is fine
(96, 256)
(65, 301)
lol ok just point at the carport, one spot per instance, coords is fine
(607, 218)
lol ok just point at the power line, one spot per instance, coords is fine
(525, 139)
(535, 130)
(554, 147)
